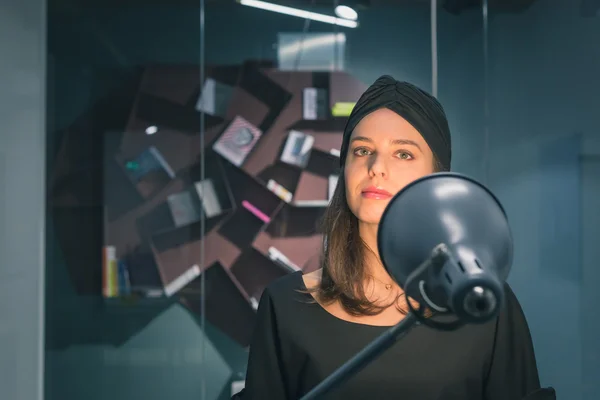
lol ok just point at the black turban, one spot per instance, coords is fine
(418, 107)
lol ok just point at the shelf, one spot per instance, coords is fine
(120, 196)
(190, 203)
(294, 221)
(311, 188)
(147, 170)
(227, 306)
(334, 125)
(242, 228)
(135, 303)
(179, 236)
(267, 91)
(297, 250)
(179, 252)
(255, 271)
(110, 206)
(284, 174)
(161, 112)
(323, 164)
(247, 187)
(79, 233)
(94, 321)
(143, 272)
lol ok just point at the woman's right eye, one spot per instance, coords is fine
(361, 151)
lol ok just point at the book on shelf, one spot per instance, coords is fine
(342, 109)
(280, 258)
(315, 103)
(209, 197)
(115, 274)
(190, 205)
(333, 180)
(297, 148)
(182, 280)
(279, 190)
(185, 207)
(237, 141)
(149, 171)
(215, 98)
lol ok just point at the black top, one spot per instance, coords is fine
(296, 344)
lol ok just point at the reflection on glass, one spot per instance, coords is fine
(311, 51)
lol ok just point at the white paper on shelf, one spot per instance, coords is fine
(335, 152)
(311, 203)
(154, 293)
(309, 103)
(207, 101)
(208, 197)
(279, 190)
(333, 180)
(277, 255)
(154, 151)
(182, 280)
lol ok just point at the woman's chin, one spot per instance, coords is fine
(371, 218)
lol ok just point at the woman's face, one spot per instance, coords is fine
(384, 155)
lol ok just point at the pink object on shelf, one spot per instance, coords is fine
(259, 214)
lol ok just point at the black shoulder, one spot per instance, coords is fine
(511, 303)
(285, 286)
(286, 294)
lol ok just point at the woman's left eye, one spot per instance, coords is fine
(404, 155)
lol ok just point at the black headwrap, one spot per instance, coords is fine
(418, 107)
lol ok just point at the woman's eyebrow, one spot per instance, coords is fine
(395, 141)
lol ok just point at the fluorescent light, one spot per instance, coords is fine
(292, 49)
(346, 13)
(151, 130)
(328, 19)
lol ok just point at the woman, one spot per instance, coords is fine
(309, 325)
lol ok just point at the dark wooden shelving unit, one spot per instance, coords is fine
(231, 249)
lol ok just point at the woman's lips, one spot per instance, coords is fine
(376, 193)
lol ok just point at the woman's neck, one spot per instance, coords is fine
(373, 264)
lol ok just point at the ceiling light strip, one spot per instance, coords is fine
(328, 19)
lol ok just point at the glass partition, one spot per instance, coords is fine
(130, 195)
(517, 79)
(193, 148)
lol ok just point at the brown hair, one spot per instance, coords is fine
(342, 258)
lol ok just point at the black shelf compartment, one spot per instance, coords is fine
(284, 174)
(323, 163)
(241, 229)
(160, 219)
(255, 271)
(226, 304)
(296, 221)
(246, 187)
(334, 125)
